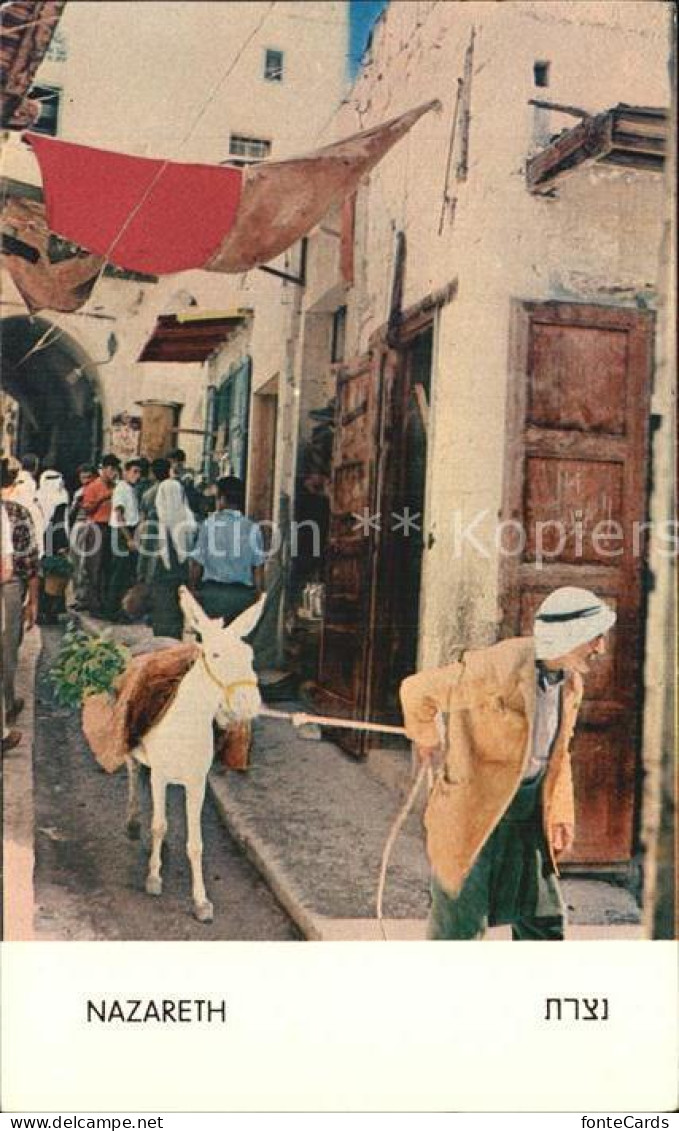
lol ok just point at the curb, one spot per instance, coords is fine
(18, 841)
(315, 928)
(323, 928)
(257, 852)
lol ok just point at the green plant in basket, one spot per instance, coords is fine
(86, 665)
(56, 565)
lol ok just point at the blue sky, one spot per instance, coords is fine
(362, 15)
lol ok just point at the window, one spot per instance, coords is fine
(339, 329)
(245, 150)
(541, 73)
(273, 65)
(49, 98)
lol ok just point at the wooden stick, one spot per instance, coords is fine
(574, 111)
(299, 719)
(449, 159)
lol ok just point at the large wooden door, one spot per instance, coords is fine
(343, 663)
(577, 464)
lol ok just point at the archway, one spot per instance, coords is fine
(56, 388)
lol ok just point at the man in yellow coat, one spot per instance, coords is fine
(501, 811)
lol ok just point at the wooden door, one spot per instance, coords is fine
(577, 460)
(343, 661)
(263, 452)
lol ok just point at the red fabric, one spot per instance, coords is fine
(206, 216)
(91, 197)
(96, 500)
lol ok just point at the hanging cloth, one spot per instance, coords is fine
(156, 216)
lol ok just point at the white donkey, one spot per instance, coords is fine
(178, 750)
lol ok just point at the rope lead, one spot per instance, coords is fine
(393, 833)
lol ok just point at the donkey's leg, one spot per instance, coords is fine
(195, 792)
(132, 826)
(154, 884)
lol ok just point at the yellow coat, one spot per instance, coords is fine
(489, 699)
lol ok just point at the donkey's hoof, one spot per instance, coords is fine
(204, 912)
(154, 885)
(133, 829)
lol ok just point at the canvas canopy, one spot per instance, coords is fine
(158, 217)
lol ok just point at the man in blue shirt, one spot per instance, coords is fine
(226, 567)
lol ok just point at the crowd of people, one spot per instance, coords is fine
(120, 548)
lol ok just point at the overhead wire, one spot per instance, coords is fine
(159, 173)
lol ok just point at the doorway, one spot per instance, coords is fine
(56, 387)
(233, 420)
(263, 452)
(377, 504)
(401, 543)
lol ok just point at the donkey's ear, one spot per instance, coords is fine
(244, 624)
(194, 616)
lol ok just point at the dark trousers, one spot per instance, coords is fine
(50, 605)
(97, 564)
(167, 618)
(465, 917)
(122, 571)
(227, 601)
(512, 881)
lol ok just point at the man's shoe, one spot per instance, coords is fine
(11, 740)
(15, 711)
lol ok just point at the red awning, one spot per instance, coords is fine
(191, 337)
(160, 216)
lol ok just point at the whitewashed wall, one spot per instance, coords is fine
(597, 241)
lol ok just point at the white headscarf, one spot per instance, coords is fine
(176, 521)
(567, 618)
(51, 494)
(24, 492)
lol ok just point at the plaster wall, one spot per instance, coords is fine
(175, 79)
(596, 241)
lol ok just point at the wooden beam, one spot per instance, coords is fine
(641, 127)
(574, 111)
(652, 162)
(420, 309)
(636, 113)
(194, 432)
(632, 136)
(586, 142)
(634, 143)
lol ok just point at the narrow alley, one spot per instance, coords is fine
(89, 878)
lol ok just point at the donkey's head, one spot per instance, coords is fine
(225, 655)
